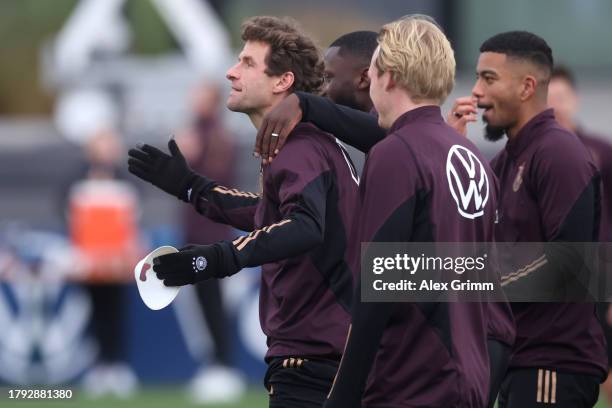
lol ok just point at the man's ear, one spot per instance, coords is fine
(363, 81)
(284, 83)
(389, 81)
(528, 87)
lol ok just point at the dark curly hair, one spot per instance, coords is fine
(290, 51)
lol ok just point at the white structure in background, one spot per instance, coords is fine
(89, 65)
(96, 25)
(80, 113)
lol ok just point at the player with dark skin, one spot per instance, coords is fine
(346, 70)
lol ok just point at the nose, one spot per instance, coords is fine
(477, 90)
(232, 73)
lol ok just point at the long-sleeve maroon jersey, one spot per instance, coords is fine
(299, 234)
(420, 354)
(550, 192)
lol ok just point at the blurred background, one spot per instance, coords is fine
(81, 81)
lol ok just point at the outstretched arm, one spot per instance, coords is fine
(172, 174)
(299, 181)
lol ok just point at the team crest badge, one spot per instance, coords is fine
(199, 264)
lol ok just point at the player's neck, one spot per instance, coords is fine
(364, 103)
(257, 117)
(525, 116)
(403, 105)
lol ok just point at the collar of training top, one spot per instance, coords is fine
(429, 112)
(526, 135)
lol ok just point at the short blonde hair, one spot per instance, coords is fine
(419, 57)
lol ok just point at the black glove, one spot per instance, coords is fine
(169, 173)
(194, 263)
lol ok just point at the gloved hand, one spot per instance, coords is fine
(170, 173)
(192, 264)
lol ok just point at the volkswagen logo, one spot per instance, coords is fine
(467, 181)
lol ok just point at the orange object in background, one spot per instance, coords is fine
(104, 230)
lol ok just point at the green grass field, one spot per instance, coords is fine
(160, 397)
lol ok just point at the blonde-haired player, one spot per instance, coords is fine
(410, 354)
